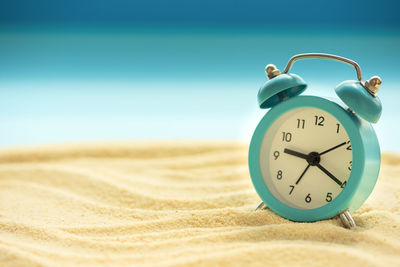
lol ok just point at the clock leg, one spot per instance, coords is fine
(261, 206)
(347, 219)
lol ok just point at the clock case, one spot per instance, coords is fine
(356, 111)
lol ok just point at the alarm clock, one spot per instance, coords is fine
(313, 158)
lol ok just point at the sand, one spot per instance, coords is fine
(172, 204)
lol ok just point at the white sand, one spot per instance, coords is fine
(172, 204)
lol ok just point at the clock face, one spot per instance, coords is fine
(306, 158)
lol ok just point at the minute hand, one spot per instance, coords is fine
(329, 174)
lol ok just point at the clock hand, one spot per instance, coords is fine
(330, 149)
(301, 176)
(329, 174)
(295, 153)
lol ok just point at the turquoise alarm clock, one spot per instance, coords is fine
(312, 158)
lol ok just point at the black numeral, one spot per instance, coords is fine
(344, 184)
(338, 126)
(319, 120)
(286, 137)
(276, 155)
(291, 189)
(328, 197)
(300, 123)
(279, 175)
(350, 165)
(349, 145)
(308, 198)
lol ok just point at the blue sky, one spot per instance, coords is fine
(307, 12)
(73, 71)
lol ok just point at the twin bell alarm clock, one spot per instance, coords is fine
(312, 158)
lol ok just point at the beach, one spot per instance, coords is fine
(173, 203)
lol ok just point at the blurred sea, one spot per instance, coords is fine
(71, 84)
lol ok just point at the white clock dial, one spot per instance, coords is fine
(306, 158)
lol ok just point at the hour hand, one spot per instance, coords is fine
(295, 153)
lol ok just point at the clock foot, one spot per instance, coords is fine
(261, 206)
(347, 219)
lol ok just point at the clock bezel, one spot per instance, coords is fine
(366, 160)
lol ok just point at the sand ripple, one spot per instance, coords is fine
(172, 204)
